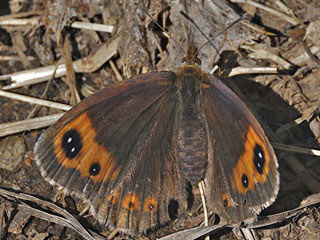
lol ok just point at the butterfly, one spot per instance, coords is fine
(132, 150)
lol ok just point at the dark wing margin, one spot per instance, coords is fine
(114, 150)
(242, 176)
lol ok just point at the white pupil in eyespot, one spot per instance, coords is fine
(73, 149)
(260, 155)
(69, 140)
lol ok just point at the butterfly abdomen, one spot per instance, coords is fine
(190, 135)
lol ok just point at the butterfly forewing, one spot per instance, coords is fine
(118, 145)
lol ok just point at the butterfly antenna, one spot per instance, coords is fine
(209, 40)
(158, 25)
(246, 16)
(199, 29)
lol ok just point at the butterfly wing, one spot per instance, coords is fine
(242, 176)
(114, 149)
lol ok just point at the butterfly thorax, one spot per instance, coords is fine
(190, 135)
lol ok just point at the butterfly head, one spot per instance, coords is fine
(192, 57)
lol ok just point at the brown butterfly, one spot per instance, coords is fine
(132, 150)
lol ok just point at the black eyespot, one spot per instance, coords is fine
(245, 181)
(94, 169)
(259, 159)
(225, 202)
(151, 206)
(131, 205)
(71, 143)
